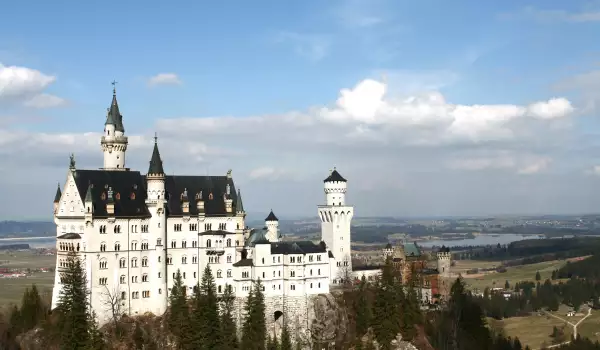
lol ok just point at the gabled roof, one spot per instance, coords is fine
(257, 237)
(334, 176)
(299, 247)
(271, 217)
(128, 188)
(57, 195)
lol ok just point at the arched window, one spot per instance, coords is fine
(184, 259)
(229, 242)
(219, 274)
(123, 263)
(208, 243)
(103, 246)
(117, 246)
(103, 264)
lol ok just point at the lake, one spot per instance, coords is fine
(34, 242)
(489, 239)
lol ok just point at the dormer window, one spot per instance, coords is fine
(103, 196)
(118, 196)
(228, 189)
(210, 196)
(135, 186)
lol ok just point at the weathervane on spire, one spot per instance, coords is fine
(114, 84)
(155, 137)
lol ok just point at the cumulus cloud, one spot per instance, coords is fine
(164, 79)
(27, 85)
(386, 144)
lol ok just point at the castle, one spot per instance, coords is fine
(133, 232)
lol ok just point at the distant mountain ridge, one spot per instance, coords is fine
(11, 228)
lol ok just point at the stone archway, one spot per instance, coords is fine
(277, 315)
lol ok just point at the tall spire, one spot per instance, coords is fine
(239, 206)
(156, 165)
(88, 195)
(58, 194)
(114, 116)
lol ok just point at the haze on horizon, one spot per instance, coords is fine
(474, 109)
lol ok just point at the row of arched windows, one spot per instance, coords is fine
(68, 246)
(116, 229)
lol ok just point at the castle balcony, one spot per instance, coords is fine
(116, 139)
(215, 251)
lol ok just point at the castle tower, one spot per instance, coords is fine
(156, 232)
(444, 261)
(113, 141)
(336, 219)
(272, 224)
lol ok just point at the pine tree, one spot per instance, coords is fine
(386, 315)
(228, 328)
(73, 308)
(96, 340)
(205, 314)
(32, 309)
(506, 285)
(254, 328)
(538, 276)
(179, 315)
(363, 309)
(286, 342)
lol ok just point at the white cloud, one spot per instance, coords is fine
(269, 173)
(377, 139)
(26, 85)
(45, 101)
(591, 14)
(311, 46)
(164, 79)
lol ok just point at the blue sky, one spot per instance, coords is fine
(277, 59)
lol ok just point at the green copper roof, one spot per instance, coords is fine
(411, 249)
(239, 206)
(58, 194)
(114, 117)
(156, 165)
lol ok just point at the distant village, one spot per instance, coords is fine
(7, 272)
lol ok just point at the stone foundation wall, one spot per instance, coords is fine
(295, 311)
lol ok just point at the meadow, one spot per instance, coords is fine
(11, 289)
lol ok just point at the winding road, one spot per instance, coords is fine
(574, 325)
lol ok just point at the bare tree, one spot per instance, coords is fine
(111, 303)
(345, 277)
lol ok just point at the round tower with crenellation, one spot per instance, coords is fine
(444, 262)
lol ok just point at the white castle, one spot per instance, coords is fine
(133, 232)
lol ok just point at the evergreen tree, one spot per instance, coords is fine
(96, 340)
(138, 337)
(32, 310)
(179, 315)
(363, 309)
(286, 342)
(386, 315)
(228, 328)
(538, 276)
(205, 314)
(506, 285)
(254, 330)
(73, 308)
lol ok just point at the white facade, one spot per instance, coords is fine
(336, 220)
(134, 232)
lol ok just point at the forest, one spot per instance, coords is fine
(377, 313)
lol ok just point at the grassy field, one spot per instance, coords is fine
(513, 274)
(590, 327)
(532, 330)
(11, 289)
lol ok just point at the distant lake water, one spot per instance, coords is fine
(34, 242)
(489, 239)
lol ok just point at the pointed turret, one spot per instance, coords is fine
(88, 195)
(114, 116)
(334, 176)
(57, 195)
(239, 205)
(156, 165)
(271, 217)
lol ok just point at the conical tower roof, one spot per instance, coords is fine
(239, 206)
(271, 217)
(88, 196)
(57, 195)
(156, 165)
(114, 116)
